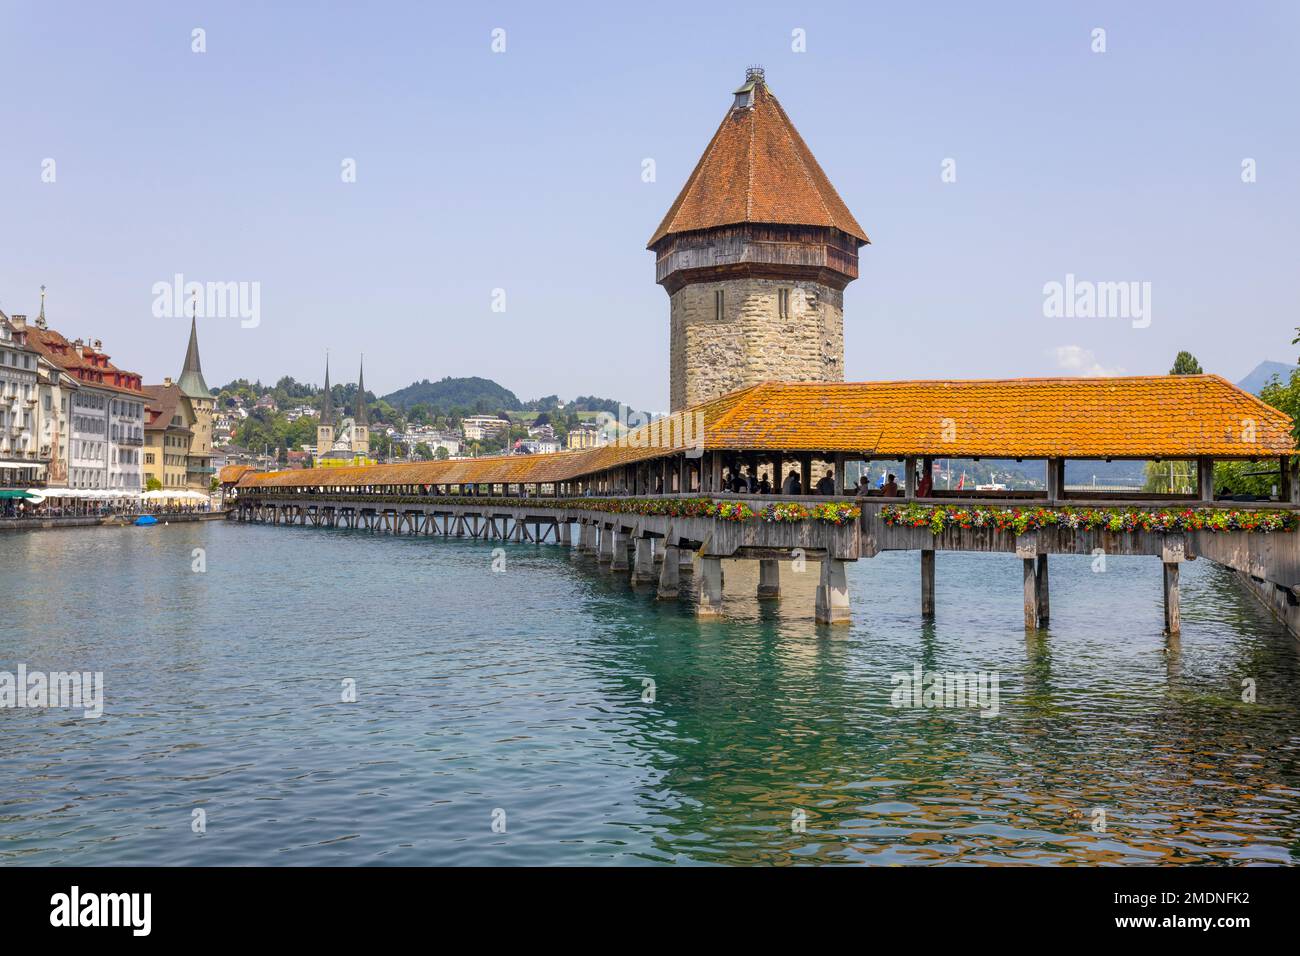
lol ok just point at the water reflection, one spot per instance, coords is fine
(522, 691)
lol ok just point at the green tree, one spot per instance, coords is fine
(1259, 477)
(152, 484)
(1175, 477)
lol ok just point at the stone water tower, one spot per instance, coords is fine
(755, 255)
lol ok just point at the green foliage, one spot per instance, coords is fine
(465, 395)
(1185, 364)
(152, 484)
(1258, 478)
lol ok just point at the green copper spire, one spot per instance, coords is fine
(191, 380)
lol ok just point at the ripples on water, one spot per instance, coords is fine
(523, 691)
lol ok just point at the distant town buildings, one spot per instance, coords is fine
(479, 427)
(586, 435)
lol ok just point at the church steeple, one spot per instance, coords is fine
(327, 404)
(191, 381)
(361, 415)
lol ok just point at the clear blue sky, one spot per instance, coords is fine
(522, 171)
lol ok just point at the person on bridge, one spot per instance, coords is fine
(890, 490)
(764, 485)
(793, 485)
(826, 486)
(925, 486)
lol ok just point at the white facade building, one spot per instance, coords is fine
(20, 462)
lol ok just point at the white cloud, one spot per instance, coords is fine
(1081, 361)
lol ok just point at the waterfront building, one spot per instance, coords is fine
(21, 463)
(105, 417)
(198, 466)
(178, 435)
(56, 388)
(755, 254)
(169, 433)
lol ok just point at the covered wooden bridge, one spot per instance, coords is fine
(661, 490)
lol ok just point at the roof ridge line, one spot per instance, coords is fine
(786, 127)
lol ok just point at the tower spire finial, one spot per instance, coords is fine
(42, 315)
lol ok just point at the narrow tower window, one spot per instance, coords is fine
(717, 305)
(783, 303)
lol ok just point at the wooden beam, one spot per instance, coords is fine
(1205, 479)
(1173, 620)
(1031, 594)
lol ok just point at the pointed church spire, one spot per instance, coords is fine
(191, 381)
(327, 404)
(361, 416)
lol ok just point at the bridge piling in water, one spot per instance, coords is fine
(927, 583)
(658, 549)
(709, 601)
(769, 579)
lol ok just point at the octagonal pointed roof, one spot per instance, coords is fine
(757, 169)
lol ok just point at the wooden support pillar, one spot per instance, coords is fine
(709, 601)
(1031, 594)
(909, 477)
(715, 473)
(619, 543)
(643, 562)
(833, 592)
(1055, 479)
(670, 571)
(805, 473)
(1173, 622)
(927, 583)
(769, 579)
(1205, 478)
(841, 473)
(1041, 589)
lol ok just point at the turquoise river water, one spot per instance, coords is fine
(501, 717)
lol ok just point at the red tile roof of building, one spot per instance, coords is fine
(757, 169)
(87, 365)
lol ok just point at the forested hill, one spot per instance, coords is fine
(473, 393)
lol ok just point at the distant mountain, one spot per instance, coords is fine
(1263, 374)
(470, 394)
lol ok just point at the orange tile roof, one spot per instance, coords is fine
(95, 372)
(1156, 416)
(1144, 417)
(229, 474)
(757, 169)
